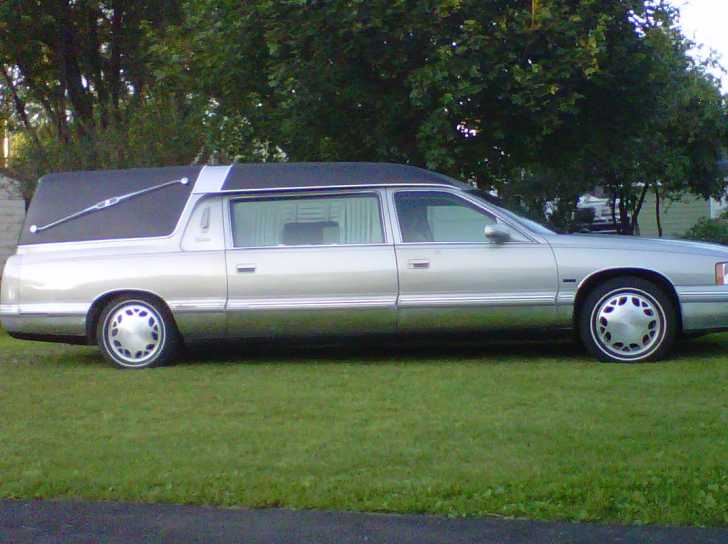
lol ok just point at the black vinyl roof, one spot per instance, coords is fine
(332, 174)
(153, 214)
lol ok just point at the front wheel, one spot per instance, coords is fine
(137, 332)
(629, 320)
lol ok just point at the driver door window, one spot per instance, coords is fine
(434, 216)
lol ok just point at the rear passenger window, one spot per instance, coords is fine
(307, 220)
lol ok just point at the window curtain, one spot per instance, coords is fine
(260, 223)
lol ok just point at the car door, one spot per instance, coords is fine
(453, 278)
(310, 264)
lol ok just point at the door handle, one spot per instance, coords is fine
(418, 264)
(245, 268)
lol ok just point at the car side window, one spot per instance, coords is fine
(435, 216)
(307, 220)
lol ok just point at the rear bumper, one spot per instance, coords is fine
(46, 326)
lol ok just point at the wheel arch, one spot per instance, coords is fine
(98, 305)
(594, 279)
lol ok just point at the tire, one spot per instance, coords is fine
(136, 331)
(628, 320)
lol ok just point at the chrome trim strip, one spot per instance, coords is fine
(703, 297)
(54, 309)
(9, 310)
(327, 187)
(703, 294)
(308, 246)
(507, 299)
(211, 179)
(470, 244)
(566, 298)
(407, 301)
(311, 303)
(200, 305)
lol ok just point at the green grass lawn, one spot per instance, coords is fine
(536, 431)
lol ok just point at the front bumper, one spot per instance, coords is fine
(704, 308)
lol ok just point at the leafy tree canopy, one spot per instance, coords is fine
(540, 100)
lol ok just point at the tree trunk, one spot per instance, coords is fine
(93, 54)
(19, 104)
(54, 102)
(637, 209)
(115, 63)
(625, 226)
(71, 71)
(657, 211)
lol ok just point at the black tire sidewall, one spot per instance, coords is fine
(170, 341)
(657, 294)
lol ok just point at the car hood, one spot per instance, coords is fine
(636, 243)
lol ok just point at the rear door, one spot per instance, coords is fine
(452, 278)
(309, 264)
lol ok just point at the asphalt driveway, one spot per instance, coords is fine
(72, 522)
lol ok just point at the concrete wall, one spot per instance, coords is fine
(12, 214)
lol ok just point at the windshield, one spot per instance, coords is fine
(529, 224)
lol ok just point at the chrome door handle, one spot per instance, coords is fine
(245, 268)
(418, 264)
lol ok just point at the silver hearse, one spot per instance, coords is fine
(140, 261)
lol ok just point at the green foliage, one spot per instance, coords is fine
(709, 230)
(157, 132)
(468, 88)
(77, 79)
(543, 109)
(532, 431)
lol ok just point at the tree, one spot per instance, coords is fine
(467, 87)
(80, 78)
(669, 138)
(572, 93)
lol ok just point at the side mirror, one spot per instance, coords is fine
(497, 233)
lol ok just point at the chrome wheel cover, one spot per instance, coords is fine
(628, 324)
(134, 333)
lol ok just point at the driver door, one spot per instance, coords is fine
(453, 278)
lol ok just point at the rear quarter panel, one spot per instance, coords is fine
(68, 282)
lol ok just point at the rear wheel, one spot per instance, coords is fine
(629, 320)
(137, 332)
